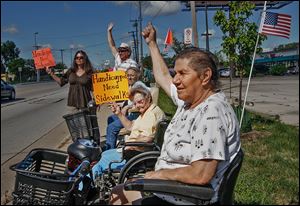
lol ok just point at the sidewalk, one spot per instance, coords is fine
(58, 138)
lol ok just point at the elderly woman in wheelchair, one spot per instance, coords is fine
(201, 153)
(140, 139)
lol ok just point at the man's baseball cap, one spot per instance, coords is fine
(124, 46)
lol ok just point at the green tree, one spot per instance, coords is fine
(221, 58)
(239, 37)
(14, 64)
(3, 69)
(29, 71)
(60, 67)
(147, 62)
(9, 52)
(178, 46)
(282, 47)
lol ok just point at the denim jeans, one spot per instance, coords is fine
(103, 164)
(113, 129)
(107, 157)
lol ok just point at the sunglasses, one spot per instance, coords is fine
(79, 57)
(123, 51)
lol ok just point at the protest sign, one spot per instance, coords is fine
(43, 58)
(110, 86)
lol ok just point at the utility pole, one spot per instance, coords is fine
(207, 39)
(206, 34)
(135, 24)
(141, 38)
(71, 51)
(62, 55)
(36, 48)
(194, 24)
(135, 46)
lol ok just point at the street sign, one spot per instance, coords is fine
(188, 36)
(20, 69)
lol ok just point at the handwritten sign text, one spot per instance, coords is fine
(43, 58)
(110, 86)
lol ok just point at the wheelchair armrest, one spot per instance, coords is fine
(140, 144)
(170, 187)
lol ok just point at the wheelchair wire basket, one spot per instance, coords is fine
(82, 124)
(41, 179)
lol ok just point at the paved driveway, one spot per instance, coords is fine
(272, 95)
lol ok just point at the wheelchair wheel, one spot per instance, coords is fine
(138, 165)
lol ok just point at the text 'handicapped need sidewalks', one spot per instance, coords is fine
(110, 86)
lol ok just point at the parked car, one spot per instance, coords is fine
(7, 90)
(293, 70)
(224, 72)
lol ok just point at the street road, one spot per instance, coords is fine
(38, 108)
(271, 95)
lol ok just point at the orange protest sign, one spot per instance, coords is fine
(43, 58)
(110, 86)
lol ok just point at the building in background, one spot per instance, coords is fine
(287, 56)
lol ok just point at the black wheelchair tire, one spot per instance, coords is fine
(136, 160)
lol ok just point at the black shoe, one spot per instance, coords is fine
(104, 147)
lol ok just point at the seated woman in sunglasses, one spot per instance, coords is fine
(142, 129)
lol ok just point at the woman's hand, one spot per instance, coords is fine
(115, 108)
(149, 34)
(49, 71)
(125, 109)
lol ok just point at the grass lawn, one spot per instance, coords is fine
(270, 170)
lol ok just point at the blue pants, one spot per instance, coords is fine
(114, 125)
(107, 157)
(103, 164)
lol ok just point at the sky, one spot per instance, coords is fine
(74, 25)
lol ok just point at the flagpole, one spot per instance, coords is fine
(245, 99)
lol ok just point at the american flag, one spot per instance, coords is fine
(276, 24)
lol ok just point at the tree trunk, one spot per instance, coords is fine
(241, 85)
(230, 78)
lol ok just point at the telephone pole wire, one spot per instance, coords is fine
(194, 22)
(135, 24)
(36, 48)
(141, 38)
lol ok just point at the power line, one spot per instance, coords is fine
(159, 11)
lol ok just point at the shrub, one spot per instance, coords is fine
(278, 70)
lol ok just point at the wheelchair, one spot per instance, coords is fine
(137, 163)
(197, 194)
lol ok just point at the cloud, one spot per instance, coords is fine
(12, 29)
(154, 8)
(76, 46)
(46, 46)
(67, 7)
(122, 2)
(160, 41)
